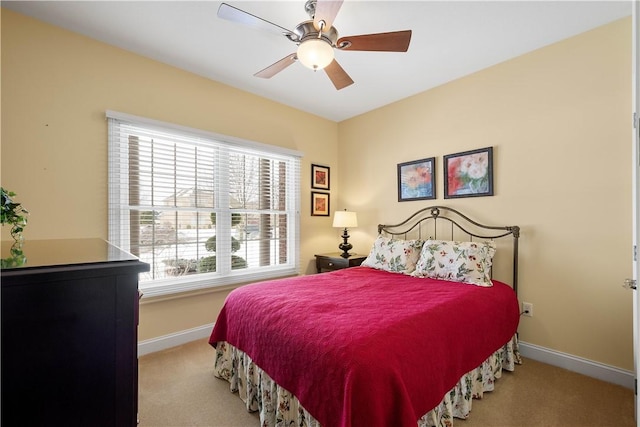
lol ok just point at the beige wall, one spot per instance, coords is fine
(56, 87)
(558, 119)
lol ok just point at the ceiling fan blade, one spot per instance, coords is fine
(234, 14)
(338, 76)
(397, 41)
(326, 10)
(276, 67)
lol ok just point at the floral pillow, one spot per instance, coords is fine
(465, 262)
(398, 256)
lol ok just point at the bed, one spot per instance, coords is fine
(409, 338)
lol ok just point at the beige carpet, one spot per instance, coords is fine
(177, 388)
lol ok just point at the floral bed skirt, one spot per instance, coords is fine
(279, 408)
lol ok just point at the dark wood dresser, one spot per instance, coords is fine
(69, 335)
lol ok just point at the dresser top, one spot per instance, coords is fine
(59, 252)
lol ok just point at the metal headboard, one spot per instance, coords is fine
(423, 225)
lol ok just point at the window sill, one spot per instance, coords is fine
(212, 283)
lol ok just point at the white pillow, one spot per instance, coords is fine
(398, 256)
(465, 262)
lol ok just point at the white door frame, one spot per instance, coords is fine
(636, 196)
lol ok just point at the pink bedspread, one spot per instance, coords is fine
(323, 338)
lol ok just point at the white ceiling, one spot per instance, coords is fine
(450, 39)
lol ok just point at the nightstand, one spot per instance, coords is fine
(334, 261)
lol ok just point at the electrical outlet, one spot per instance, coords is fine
(527, 309)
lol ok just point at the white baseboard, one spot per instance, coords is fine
(567, 361)
(577, 364)
(174, 340)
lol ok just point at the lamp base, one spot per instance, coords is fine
(345, 246)
(345, 253)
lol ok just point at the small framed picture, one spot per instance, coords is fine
(320, 177)
(319, 204)
(469, 174)
(417, 180)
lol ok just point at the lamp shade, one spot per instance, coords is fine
(315, 53)
(345, 219)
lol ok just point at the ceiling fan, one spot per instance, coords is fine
(317, 39)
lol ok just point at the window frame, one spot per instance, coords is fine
(119, 234)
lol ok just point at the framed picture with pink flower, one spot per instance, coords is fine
(320, 177)
(469, 174)
(319, 204)
(417, 180)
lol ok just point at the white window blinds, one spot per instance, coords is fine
(202, 209)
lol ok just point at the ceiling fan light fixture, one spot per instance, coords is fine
(315, 53)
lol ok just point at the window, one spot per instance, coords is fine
(202, 209)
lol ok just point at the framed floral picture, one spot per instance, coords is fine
(320, 177)
(469, 174)
(417, 180)
(319, 204)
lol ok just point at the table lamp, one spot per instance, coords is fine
(345, 219)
